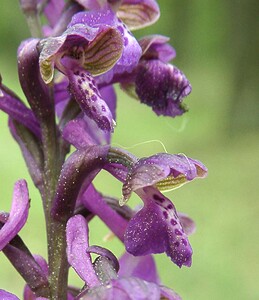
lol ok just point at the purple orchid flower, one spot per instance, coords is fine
(156, 228)
(101, 278)
(131, 50)
(154, 81)
(135, 14)
(83, 50)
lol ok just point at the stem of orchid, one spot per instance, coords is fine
(30, 11)
(34, 25)
(56, 235)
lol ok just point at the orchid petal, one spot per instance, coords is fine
(77, 244)
(156, 229)
(95, 49)
(14, 107)
(85, 92)
(156, 47)
(137, 14)
(165, 171)
(18, 214)
(163, 87)
(131, 50)
(77, 173)
(7, 296)
(142, 267)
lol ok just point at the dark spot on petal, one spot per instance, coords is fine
(93, 97)
(103, 109)
(126, 41)
(86, 92)
(177, 232)
(169, 206)
(173, 222)
(184, 242)
(165, 214)
(93, 109)
(76, 73)
(79, 81)
(176, 244)
(120, 28)
(158, 198)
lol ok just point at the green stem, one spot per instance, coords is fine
(58, 266)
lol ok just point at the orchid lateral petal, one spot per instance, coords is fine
(95, 49)
(137, 14)
(131, 51)
(77, 244)
(18, 214)
(165, 171)
(156, 229)
(156, 47)
(187, 223)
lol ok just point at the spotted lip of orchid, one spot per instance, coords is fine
(164, 171)
(157, 228)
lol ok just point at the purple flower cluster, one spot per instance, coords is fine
(67, 71)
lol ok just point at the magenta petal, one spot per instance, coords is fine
(53, 11)
(77, 173)
(83, 88)
(76, 133)
(77, 243)
(136, 289)
(18, 111)
(18, 214)
(138, 14)
(163, 87)
(156, 47)
(156, 229)
(131, 49)
(163, 170)
(142, 267)
(7, 296)
(123, 289)
(187, 223)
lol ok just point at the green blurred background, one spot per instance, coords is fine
(217, 48)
